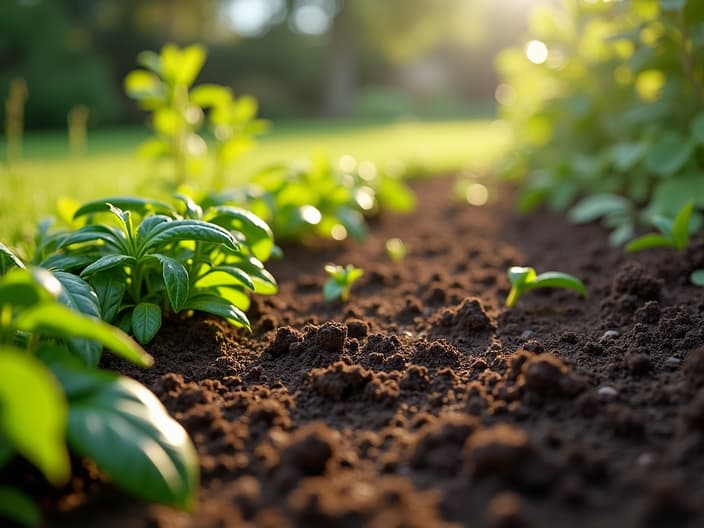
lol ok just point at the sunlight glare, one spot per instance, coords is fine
(537, 52)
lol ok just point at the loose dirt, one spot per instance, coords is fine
(424, 402)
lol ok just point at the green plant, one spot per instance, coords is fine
(321, 199)
(166, 262)
(52, 400)
(396, 249)
(340, 282)
(697, 277)
(164, 87)
(612, 105)
(524, 279)
(674, 233)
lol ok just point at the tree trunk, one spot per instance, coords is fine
(341, 76)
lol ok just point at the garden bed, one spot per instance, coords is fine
(424, 402)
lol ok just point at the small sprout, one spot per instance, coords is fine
(525, 279)
(697, 277)
(396, 249)
(674, 233)
(340, 281)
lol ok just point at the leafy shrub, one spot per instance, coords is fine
(320, 199)
(610, 106)
(169, 260)
(112, 420)
(165, 88)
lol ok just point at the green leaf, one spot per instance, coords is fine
(697, 277)
(19, 289)
(127, 432)
(146, 321)
(33, 413)
(140, 206)
(18, 507)
(148, 224)
(209, 95)
(596, 206)
(215, 305)
(112, 237)
(110, 290)
(176, 280)
(257, 232)
(264, 282)
(107, 262)
(140, 84)
(697, 128)
(396, 195)
(680, 226)
(196, 230)
(62, 262)
(8, 259)
(227, 276)
(190, 64)
(57, 320)
(649, 241)
(332, 290)
(77, 294)
(669, 155)
(626, 155)
(556, 279)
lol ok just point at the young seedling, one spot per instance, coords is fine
(674, 233)
(340, 281)
(525, 279)
(396, 249)
(697, 277)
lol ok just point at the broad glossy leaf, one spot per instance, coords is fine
(8, 259)
(140, 206)
(649, 241)
(176, 280)
(111, 236)
(107, 262)
(218, 306)
(146, 321)
(627, 155)
(148, 224)
(259, 237)
(63, 262)
(18, 507)
(196, 230)
(127, 432)
(57, 320)
(189, 65)
(264, 282)
(597, 206)
(77, 294)
(33, 413)
(110, 290)
(353, 222)
(227, 276)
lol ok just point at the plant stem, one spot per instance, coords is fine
(688, 62)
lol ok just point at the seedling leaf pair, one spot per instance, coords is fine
(674, 233)
(340, 282)
(524, 279)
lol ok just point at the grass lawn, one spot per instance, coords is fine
(110, 166)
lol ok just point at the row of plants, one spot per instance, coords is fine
(118, 266)
(609, 113)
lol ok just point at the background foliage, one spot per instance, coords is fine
(614, 110)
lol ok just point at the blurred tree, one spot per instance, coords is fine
(38, 43)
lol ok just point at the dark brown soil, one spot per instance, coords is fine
(425, 402)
